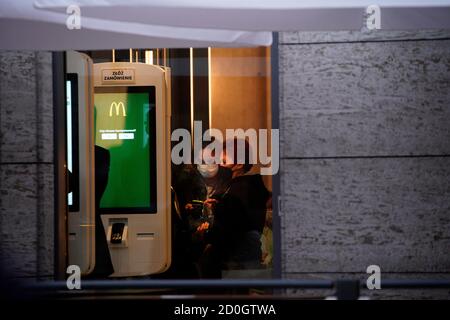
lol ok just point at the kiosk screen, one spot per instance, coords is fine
(125, 138)
(73, 197)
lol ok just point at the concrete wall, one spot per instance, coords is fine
(26, 163)
(365, 151)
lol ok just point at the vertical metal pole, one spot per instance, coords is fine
(191, 87)
(165, 57)
(276, 185)
(209, 88)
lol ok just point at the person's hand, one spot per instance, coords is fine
(203, 227)
(199, 234)
(210, 203)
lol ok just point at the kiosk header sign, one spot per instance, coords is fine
(110, 76)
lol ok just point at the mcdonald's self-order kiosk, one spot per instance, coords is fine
(132, 141)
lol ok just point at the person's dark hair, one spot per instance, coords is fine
(247, 164)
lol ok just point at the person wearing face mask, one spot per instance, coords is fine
(193, 184)
(215, 183)
(206, 181)
(239, 218)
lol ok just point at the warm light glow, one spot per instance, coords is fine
(209, 87)
(113, 55)
(165, 57)
(148, 56)
(191, 72)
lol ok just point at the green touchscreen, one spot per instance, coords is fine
(124, 127)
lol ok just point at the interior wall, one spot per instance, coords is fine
(240, 90)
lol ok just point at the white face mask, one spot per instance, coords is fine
(208, 170)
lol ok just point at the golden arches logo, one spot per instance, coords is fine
(117, 106)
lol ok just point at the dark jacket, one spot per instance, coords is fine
(103, 264)
(239, 220)
(189, 185)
